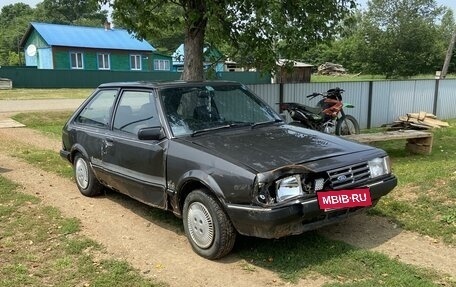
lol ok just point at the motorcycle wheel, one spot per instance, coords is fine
(347, 125)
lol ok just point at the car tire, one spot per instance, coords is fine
(86, 181)
(207, 226)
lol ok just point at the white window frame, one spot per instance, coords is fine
(135, 62)
(78, 64)
(105, 63)
(161, 65)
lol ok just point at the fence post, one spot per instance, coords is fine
(369, 105)
(280, 97)
(436, 96)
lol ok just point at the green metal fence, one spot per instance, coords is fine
(26, 77)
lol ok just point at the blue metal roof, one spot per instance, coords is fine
(90, 37)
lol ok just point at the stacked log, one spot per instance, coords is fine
(331, 69)
(418, 121)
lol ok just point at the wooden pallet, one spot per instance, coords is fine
(417, 141)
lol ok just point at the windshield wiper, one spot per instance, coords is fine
(265, 123)
(210, 129)
(231, 125)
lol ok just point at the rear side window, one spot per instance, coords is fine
(98, 111)
(136, 110)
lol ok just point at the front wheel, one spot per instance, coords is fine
(347, 125)
(207, 226)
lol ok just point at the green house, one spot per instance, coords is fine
(52, 46)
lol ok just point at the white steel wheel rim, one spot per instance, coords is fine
(200, 225)
(82, 173)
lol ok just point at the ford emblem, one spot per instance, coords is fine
(341, 178)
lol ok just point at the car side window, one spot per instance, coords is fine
(98, 111)
(136, 110)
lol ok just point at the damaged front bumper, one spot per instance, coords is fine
(298, 216)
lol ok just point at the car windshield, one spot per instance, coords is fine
(206, 108)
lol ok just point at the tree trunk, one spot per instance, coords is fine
(448, 56)
(194, 41)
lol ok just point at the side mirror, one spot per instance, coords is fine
(152, 133)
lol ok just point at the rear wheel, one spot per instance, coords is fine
(347, 125)
(86, 181)
(207, 226)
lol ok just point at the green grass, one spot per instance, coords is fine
(297, 256)
(44, 159)
(425, 198)
(49, 123)
(36, 94)
(40, 247)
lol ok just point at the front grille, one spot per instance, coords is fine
(348, 176)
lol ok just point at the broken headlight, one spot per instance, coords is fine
(288, 187)
(379, 166)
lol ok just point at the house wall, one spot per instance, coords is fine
(119, 60)
(41, 45)
(44, 58)
(61, 59)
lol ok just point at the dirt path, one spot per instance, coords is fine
(162, 252)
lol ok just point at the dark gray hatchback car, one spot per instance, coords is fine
(216, 155)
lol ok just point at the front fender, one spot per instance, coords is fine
(204, 178)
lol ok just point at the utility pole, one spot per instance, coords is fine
(449, 54)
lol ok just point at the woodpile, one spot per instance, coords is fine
(6, 84)
(331, 69)
(418, 121)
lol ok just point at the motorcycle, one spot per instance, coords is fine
(328, 116)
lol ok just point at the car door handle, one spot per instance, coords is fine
(108, 142)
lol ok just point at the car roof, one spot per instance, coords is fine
(160, 85)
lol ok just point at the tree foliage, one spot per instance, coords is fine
(15, 19)
(396, 38)
(254, 32)
(78, 12)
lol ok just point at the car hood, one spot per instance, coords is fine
(267, 148)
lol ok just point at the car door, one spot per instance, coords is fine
(137, 166)
(91, 126)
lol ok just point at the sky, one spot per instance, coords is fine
(449, 3)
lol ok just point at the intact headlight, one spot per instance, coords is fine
(288, 187)
(379, 166)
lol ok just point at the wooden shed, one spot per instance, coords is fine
(293, 72)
